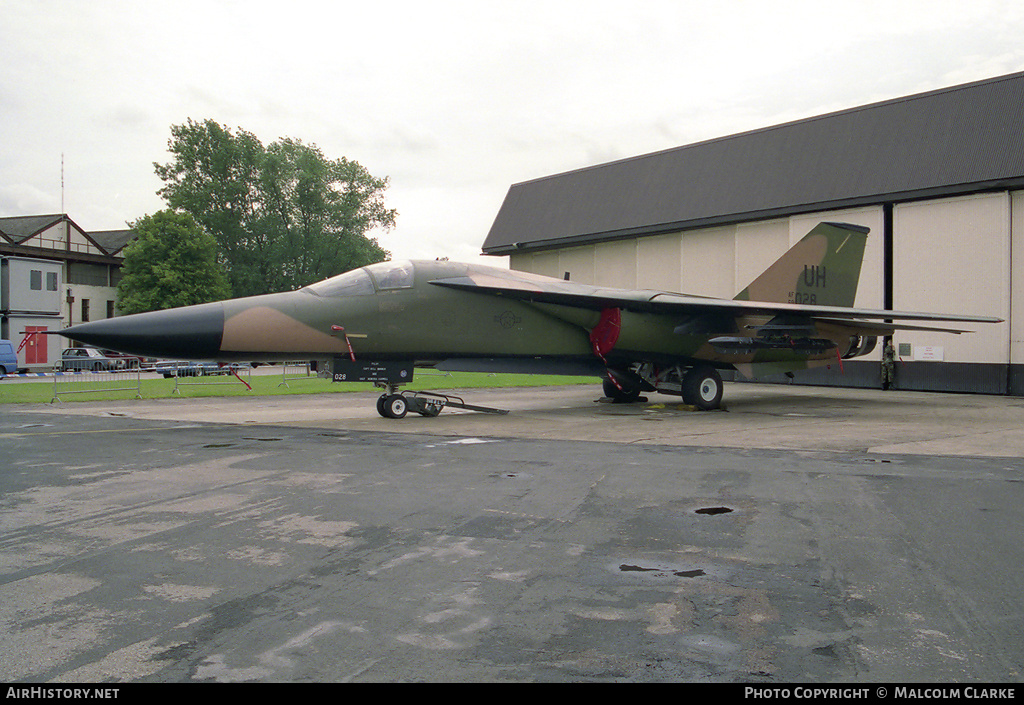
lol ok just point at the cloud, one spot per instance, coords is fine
(27, 199)
(454, 101)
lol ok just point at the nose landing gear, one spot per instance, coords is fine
(392, 406)
(395, 405)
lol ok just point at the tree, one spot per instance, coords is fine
(171, 262)
(283, 215)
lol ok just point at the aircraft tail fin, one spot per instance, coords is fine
(823, 269)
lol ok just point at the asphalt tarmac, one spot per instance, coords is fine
(802, 535)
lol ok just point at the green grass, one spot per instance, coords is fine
(266, 385)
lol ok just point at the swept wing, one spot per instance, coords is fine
(532, 288)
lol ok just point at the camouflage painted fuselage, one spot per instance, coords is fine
(416, 321)
(797, 314)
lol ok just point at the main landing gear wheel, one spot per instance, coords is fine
(619, 396)
(392, 406)
(627, 394)
(702, 388)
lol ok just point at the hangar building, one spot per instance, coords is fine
(938, 178)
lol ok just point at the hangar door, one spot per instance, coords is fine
(953, 256)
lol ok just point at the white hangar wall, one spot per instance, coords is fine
(948, 256)
(1016, 317)
(717, 261)
(955, 255)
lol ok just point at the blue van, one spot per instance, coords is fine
(8, 360)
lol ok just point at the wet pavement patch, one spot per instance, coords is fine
(626, 568)
(713, 510)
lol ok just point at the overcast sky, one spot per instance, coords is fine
(453, 101)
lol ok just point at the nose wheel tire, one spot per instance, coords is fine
(702, 388)
(392, 406)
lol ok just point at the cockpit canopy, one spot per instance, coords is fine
(367, 280)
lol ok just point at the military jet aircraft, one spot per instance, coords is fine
(379, 322)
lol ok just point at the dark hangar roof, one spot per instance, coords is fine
(948, 142)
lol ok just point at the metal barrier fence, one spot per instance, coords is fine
(87, 382)
(202, 375)
(303, 364)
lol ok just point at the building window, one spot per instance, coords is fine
(88, 274)
(51, 281)
(35, 280)
(85, 310)
(110, 309)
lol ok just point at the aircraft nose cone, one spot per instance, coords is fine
(191, 332)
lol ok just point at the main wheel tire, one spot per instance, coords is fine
(380, 405)
(702, 388)
(625, 395)
(395, 406)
